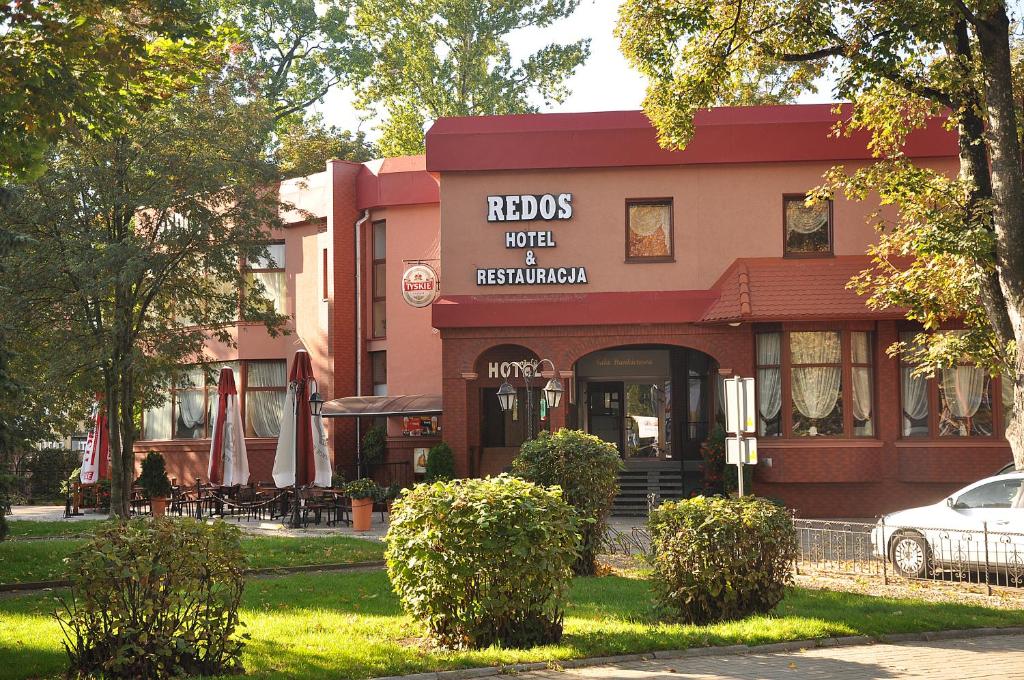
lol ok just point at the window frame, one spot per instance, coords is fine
(243, 391)
(659, 201)
(246, 270)
(374, 297)
(831, 252)
(934, 406)
(846, 364)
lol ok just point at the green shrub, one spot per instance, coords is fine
(375, 443)
(47, 469)
(587, 470)
(483, 561)
(154, 599)
(153, 478)
(718, 559)
(4, 530)
(362, 488)
(440, 463)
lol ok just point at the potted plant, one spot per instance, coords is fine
(154, 482)
(389, 494)
(363, 493)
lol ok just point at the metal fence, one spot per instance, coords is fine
(988, 556)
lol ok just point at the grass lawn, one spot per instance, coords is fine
(336, 625)
(43, 560)
(58, 529)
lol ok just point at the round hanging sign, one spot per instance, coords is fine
(419, 285)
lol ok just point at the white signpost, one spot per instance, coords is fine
(740, 421)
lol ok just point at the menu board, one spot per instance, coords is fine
(420, 426)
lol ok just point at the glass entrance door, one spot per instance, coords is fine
(604, 411)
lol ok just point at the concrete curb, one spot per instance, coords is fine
(262, 571)
(790, 646)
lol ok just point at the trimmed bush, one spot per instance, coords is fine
(587, 470)
(483, 561)
(47, 469)
(4, 530)
(154, 599)
(440, 463)
(153, 478)
(718, 559)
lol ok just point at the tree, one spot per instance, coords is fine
(955, 253)
(422, 59)
(81, 63)
(134, 246)
(304, 145)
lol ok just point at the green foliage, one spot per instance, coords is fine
(48, 471)
(440, 463)
(483, 561)
(375, 443)
(153, 479)
(155, 599)
(720, 559)
(338, 480)
(587, 470)
(81, 64)
(713, 453)
(363, 488)
(423, 59)
(4, 529)
(306, 145)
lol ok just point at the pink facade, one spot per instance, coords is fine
(663, 271)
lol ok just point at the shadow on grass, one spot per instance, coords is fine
(330, 625)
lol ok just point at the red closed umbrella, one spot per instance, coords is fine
(229, 461)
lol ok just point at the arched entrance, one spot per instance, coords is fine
(656, 403)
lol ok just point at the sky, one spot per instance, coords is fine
(604, 83)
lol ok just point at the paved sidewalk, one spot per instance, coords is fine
(999, 656)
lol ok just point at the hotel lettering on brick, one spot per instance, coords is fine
(645, 276)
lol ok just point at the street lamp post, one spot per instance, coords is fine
(316, 409)
(530, 369)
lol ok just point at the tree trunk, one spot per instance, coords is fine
(119, 500)
(1008, 197)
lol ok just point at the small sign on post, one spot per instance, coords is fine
(740, 420)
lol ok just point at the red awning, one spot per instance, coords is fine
(399, 405)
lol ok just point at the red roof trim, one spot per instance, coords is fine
(395, 181)
(581, 309)
(751, 134)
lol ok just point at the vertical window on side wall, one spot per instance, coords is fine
(816, 377)
(807, 229)
(862, 383)
(769, 384)
(649, 230)
(266, 383)
(325, 263)
(379, 322)
(914, 394)
(269, 271)
(379, 373)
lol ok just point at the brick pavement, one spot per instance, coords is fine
(999, 656)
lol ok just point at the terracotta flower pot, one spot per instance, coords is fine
(362, 514)
(159, 506)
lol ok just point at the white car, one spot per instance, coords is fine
(952, 533)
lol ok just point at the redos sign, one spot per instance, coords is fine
(528, 208)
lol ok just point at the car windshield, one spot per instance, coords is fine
(1004, 493)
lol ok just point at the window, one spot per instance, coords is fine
(810, 376)
(807, 228)
(187, 411)
(269, 272)
(816, 380)
(1005, 493)
(379, 322)
(649, 230)
(379, 371)
(323, 274)
(959, 401)
(266, 384)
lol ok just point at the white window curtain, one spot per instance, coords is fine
(915, 402)
(769, 380)
(263, 408)
(190, 398)
(274, 286)
(803, 219)
(1006, 386)
(860, 343)
(157, 422)
(815, 388)
(963, 388)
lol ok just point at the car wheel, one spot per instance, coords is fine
(910, 555)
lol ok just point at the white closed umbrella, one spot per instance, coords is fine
(302, 457)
